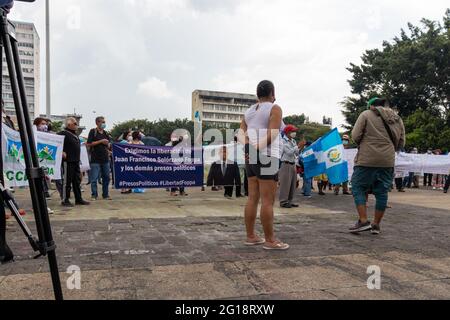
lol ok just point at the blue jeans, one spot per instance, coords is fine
(407, 182)
(307, 186)
(97, 170)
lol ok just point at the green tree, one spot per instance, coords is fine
(57, 126)
(427, 130)
(308, 131)
(313, 131)
(161, 129)
(412, 71)
(296, 120)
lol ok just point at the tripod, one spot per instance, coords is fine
(35, 174)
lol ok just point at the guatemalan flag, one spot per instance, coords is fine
(326, 155)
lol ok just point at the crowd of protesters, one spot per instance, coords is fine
(273, 166)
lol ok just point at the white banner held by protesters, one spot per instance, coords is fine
(408, 162)
(49, 148)
(84, 159)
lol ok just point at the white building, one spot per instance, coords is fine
(29, 52)
(221, 109)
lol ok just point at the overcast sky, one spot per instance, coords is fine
(130, 59)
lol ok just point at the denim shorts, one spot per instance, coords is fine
(367, 180)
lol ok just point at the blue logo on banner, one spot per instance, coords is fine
(153, 167)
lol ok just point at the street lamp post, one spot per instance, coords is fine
(47, 53)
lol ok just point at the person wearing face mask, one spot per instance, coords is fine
(346, 143)
(41, 124)
(126, 138)
(288, 171)
(100, 148)
(71, 164)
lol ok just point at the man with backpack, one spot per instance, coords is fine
(379, 133)
(99, 144)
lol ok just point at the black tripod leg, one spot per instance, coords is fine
(6, 254)
(35, 174)
(7, 198)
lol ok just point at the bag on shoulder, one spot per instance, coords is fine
(393, 124)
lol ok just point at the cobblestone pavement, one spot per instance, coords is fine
(153, 247)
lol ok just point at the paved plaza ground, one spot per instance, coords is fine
(151, 246)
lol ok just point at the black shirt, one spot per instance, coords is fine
(71, 145)
(99, 153)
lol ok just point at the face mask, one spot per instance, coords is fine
(345, 142)
(43, 128)
(293, 135)
(130, 139)
(103, 126)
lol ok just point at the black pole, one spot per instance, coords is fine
(35, 174)
(3, 244)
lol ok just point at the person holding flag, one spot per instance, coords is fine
(346, 143)
(326, 157)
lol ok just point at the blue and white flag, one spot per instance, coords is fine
(197, 117)
(326, 155)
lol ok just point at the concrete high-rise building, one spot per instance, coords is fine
(221, 109)
(29, 51)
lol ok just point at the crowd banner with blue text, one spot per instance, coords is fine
(326, 155)
(144, 167)
(49, 148)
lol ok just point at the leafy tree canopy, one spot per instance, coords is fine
(413, 72)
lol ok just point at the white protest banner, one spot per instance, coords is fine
(84, 159)
(49, 148)
(349, 156)
(435, 164)
(405, 162)
(408, 162)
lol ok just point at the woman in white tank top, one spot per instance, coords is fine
(257, 119)
(262, 173)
